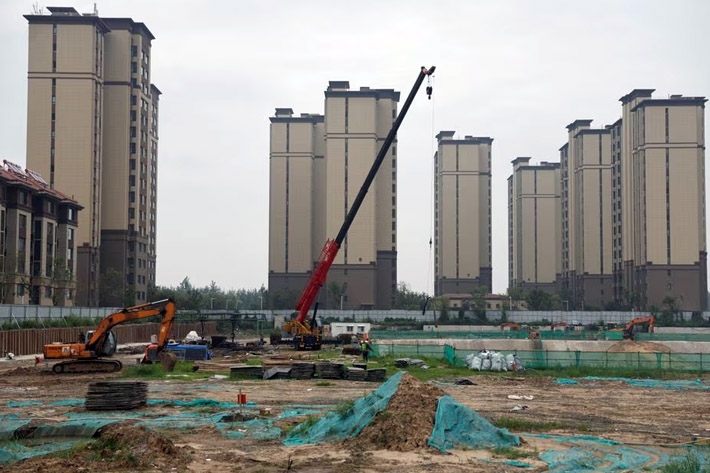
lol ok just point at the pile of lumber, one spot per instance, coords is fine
(116, 395)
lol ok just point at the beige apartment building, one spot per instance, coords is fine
(534, 225)
(317, 166)
(586, 172)
(660, 244)
(296, 198)
(38, 227)
(462, 193)
(92, 128)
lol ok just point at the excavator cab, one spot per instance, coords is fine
(109, 346)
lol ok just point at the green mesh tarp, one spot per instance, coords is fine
(9, 426)
(11, 452)
(199, 402)
(456, 425)
(336, 426)
(68, 402)
(23, 403)
(72, 428)
(673, 384)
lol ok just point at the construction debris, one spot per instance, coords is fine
(404, 362)
(116, 395)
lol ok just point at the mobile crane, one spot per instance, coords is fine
(86, 356)
(308, 336)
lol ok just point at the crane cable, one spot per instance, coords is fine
(429, 277)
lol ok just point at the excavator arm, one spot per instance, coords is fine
(164, 308)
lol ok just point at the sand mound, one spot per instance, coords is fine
(631, 346)
(407, 422)
(119, 447)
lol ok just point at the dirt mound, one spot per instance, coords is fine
(407, 422)
(119, 447)
(631, 346)
(23, 371)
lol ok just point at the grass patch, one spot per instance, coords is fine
(345, 409)
(183, 372)
(518, 425)
(438, 368)
(324, 384)
(512, 453)
(253, 362)
(690, 463)
(303, 426)
(634, 373)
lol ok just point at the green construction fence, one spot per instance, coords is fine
(544, 335)
(541, 359)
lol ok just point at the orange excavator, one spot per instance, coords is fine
(510, 326)
(637, 325)
(86, 355)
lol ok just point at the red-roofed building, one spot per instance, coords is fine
(37, 240)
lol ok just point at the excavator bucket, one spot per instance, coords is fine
(168, 360)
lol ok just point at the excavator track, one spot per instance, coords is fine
(87, 366)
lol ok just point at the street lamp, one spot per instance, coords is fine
(510, 302)
(261, 302)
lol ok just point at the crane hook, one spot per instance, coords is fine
(429, 88)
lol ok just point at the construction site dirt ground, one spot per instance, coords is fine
(609, 409)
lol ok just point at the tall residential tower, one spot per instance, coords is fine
(317, 166)
(462, 193)
(92, 129)
(534, 231)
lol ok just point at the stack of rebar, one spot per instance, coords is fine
(303, 370)
(376, 374)
(247, 371)
(116, 395)
(331, 370)
(356, 374)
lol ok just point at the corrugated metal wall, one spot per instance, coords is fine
(31, 341)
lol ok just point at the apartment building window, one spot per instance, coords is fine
(134, 51)
(20, 289)
(49, 256)
(132, 197)
(134, 100)
(133, 132)
(131, 213)
(133, 148)
(70, 255)
(132, 181)
(71, 234)
(134, 67)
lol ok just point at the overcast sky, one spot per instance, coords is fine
(517, 71)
